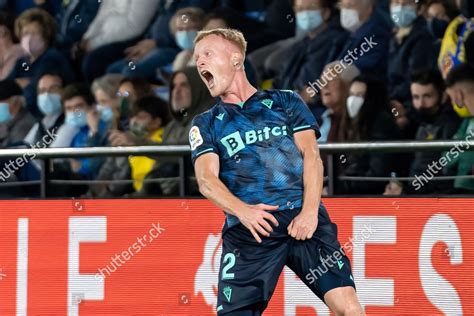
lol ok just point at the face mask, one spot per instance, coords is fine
(350, 19)
(33, 45)
(428, 113)
(76, 119)
(49, 103)
(308, 20)
(5, 115)
(403, 15)
(185, 39)
(138, 129)
(354, 104)
(437, 27)
(106, 113)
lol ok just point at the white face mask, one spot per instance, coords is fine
(354, 104)
(350, 19)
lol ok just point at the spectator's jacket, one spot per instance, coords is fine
(308, 58)
(74, 19)
(369, 164)
(120, 20)
(14, 132)
(441, 127)
(89, 166)
(176, 132)
(463, 163)
(377, 30)
(416, 51)
(51, 60)
(49, 125)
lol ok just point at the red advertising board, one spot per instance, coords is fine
(161, 257)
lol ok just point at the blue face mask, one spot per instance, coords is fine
(185, 39)
(49, 103)
(5, 115)
(76, 119)
(106, 113)
(403, 15)
(308, 20)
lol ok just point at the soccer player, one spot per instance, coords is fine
(255, 155)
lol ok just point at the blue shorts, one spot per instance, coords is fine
(249, 271)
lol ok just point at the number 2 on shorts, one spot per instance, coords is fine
(229, 262)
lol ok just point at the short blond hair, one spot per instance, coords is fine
(232, 35)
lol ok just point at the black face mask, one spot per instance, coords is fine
(437, 27)
(467, 8)
(427, 114)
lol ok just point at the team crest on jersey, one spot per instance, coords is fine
(195, 138)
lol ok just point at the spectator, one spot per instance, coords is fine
(105, 90)
(457, 45)
(189, 97)
(15, 119)
(185, 30)
(309, 55)
(89, 131)
(10, 50)
(460, 83)
(368, 45)
(334, 94)
(133, 88)
(312, 17)
(439, 14)
(118, 25)
(74, 19)
(146, 124)
(411, 49)
(367, 119)
(433, 119)
(36, 30)
(50, 87)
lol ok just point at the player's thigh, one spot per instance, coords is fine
(321, 266)
(249, 271)
(343, 301)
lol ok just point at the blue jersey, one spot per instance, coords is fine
(259, 160)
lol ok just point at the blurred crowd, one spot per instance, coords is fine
(89, 73)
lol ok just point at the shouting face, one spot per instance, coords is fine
(217, 61)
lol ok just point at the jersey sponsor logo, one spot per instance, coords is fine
(220, 116)
(195, 138)
(235, 143)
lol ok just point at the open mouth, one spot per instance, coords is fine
(209, 78)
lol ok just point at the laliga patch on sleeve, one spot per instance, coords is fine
(195, 138)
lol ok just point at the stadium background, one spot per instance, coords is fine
(68, 210)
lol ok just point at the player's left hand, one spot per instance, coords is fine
(304, 225)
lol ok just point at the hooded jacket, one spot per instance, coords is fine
(176, 133)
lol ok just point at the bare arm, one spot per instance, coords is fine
(305, 224)
(254, 217)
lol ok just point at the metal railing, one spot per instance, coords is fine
(182, 151)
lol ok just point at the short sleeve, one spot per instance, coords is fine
(300, 116)
(201, 137)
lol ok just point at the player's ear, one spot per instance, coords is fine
(236, 60)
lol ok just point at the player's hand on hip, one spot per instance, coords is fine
(303, 225)
(256, 218)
